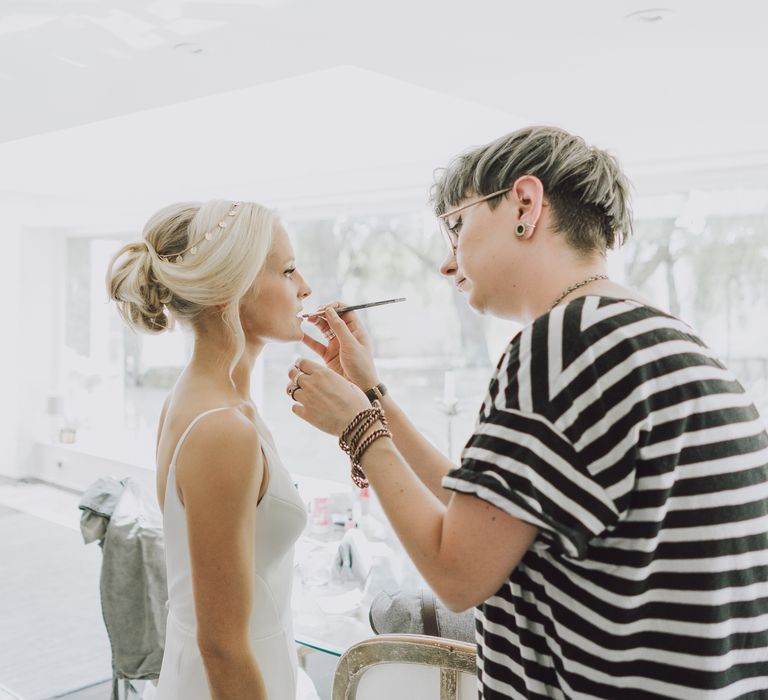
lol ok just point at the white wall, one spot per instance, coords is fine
(29, 288)
(10, 347)
(67, 465)
(41, 270)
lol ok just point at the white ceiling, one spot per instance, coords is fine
(293, 99)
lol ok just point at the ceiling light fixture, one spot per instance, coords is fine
(649, 15)
(188, 47)
(71, 61)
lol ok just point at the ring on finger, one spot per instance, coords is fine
(292, 391)
(330, 334)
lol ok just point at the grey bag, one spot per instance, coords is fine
(419, 612)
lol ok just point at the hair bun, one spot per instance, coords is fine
(186, 265)
(141, 298)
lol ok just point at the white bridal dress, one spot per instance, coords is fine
(280, 519)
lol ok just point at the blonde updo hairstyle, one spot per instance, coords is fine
(153, 288)
(585, 186)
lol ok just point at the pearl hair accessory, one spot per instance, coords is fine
(211, 235)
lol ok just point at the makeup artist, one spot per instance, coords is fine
(609, 519)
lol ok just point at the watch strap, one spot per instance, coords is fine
(376, 393)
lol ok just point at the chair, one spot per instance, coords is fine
(406, 666)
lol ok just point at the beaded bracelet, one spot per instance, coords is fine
(363, 420)
(375, 435)
(364, 427)
(358, 475)
(350, 439)
(350, 431)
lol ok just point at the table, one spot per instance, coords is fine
(329, 615)
(331, 605)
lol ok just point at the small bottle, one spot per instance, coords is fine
(350, 522)
(364, 499)
(321, 522)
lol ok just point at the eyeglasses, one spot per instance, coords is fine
(451, 233)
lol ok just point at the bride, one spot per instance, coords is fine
(231, 512)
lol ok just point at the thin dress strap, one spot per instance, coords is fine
(183, 437)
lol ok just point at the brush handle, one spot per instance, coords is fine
(344, 309)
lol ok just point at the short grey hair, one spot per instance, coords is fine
(586, 188)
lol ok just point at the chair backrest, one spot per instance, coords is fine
(406, 666)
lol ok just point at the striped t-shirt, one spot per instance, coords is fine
(643, 463)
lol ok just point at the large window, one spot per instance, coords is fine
(113, 380)
(434, 353)
(708, 264)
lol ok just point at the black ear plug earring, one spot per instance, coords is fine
(521, 228)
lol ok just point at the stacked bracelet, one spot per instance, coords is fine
(354, 444)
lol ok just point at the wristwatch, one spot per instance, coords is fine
(376, 393)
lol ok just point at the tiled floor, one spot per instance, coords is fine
(59, 506)
(56, 505)
(95, 692)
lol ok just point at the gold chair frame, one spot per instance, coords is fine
(450, 656)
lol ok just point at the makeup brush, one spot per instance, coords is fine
(355, 307)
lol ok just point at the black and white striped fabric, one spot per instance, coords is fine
(613, 429)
